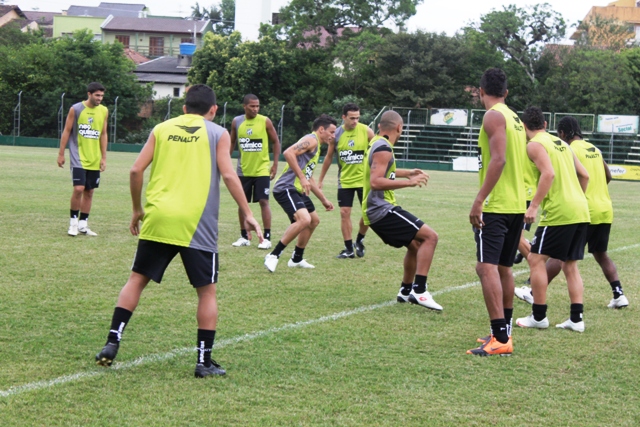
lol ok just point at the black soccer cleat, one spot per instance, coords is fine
(108, 354)
(213, 369)
(359, 247)
(345, 254)
(518, 259)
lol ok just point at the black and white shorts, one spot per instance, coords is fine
(598, 237)
(397, 228)
(563, 242)
(292, 201)
(87, 178)
(255, 187)
(497, 242)
(153, 258)
(346, 195)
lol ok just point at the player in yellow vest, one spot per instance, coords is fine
(188, 154)
(562, 230)
(86, 133)
(350, 145)
(253, 132)
(498, 210)
(600, 210)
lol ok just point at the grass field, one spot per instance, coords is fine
(326, 347)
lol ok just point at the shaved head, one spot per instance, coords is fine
(390, 120)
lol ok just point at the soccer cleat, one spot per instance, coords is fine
(266, 244)
(402, 297)
(271, 262)
(492, 347)
(619, 302)
(108, 353)
(301, 264)
(530, 322)
(518, 259)
(524, 293)
(424, 299)
(241, 242)
(87, 231)
(73, 230)
(359, 247)
(568, 324)
(483, 339)
(213, 369)
(345, 254)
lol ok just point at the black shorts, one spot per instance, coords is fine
(563, 242)
(292, 201)
(153, 258)
(598, 237)
(345, 196)
(397, 228)
(497, 242)
(525, 226)
(255, 187)
(86, 178)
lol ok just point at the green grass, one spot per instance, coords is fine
(373, 363)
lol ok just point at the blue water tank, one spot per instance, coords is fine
(187, 48)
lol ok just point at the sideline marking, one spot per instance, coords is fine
(39, 385)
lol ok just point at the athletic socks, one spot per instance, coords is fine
(499, 330)
(348, 245)
(267, 233)
(539, 311)
(74, 214)
(204, 346)
(405, 288)
(119, 321)
(576, 312)
(278, 249)
(508, 318)
(359, 238)
(297, 254)
(243, 234)
(616, 287)
(420, 284)
(84, 216)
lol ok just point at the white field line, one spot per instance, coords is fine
(143, 360)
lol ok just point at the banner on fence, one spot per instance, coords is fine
(448, 117)
(625, 172)
(617, 124)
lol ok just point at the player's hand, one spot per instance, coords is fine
(136, 218)
(320, 184)
(327, 204)
(60, 160)
(475, 216)
(250, 224)
(531, 214)
(103, 165)
(413, 172)
(418, 180)
(306, 185)
(273, 172)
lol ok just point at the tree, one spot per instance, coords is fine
(520, 33)
(355, 55)
(602, 32)
(222, 15)
(302, 19)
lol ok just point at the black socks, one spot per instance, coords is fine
(267, 233)
(244, 235)
(277, 251)
(119, 321)
(348, 245)
(359, 238)
(539, 311)
(298, 253)
(499, 330)
(204, 346)
(406, 288)
(576, 312)
(616, 287)
(420, 284)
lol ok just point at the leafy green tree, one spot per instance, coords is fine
(355, 58)
(604, 33)
(222, 15)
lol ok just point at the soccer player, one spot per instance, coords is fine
(600, 211)
(86, 133)
(189, 154)
(395, 226)
(562, 229)
(252, 132)
(498, 210)
(292, 188)
(351, 141)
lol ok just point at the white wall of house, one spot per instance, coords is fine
(162, 90)
(251, 13)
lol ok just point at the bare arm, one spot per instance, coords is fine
(408, 173)
(539, 156)
(607, 172)
(273, 137)
(66, 133)
(496, 128)
(233, 138)
(231, 180)
(326, 163)
(136, 180)
(379, 162)
(583, 175)
(291, 154)
(370, 133)
(315, 189)
(104, 141)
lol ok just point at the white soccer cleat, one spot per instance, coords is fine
(241, 242)
(619, 302)
(402, 297)
(530, 322)
(424, 299)
(73, 230)
(83, 227)
(271, 262)
(266, 244)
(568, 324)
(301, 264)
(524, 293)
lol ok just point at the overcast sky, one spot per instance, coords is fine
(433, 15)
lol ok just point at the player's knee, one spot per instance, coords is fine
(345, 212)
(303, 219)
(314, 221)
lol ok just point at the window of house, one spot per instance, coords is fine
(176, 92)
(156, 46)
(187, 40)
(124, 40)
(275, 18)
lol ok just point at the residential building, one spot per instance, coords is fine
(91, 18)
(65, 25)
(10, 13)
(37, 20)
(624, 11)
(168, 75)
(251, 13)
